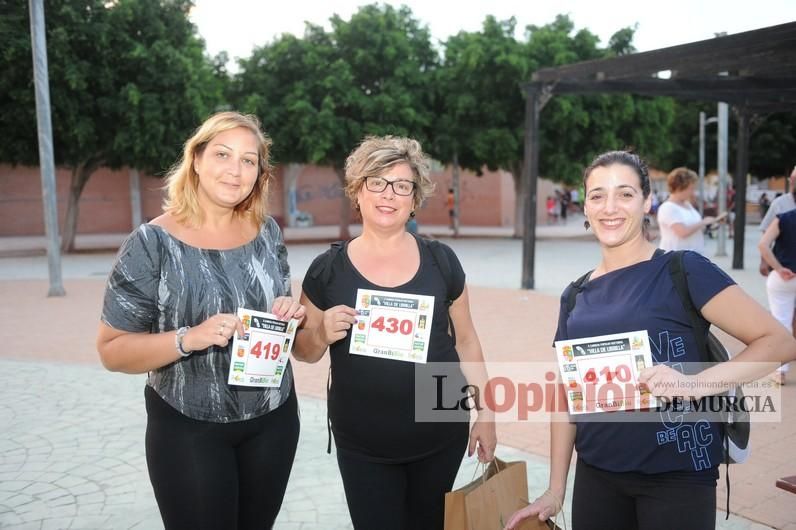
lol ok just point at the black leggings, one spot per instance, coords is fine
(223, 476)
(408, 496)
(634, 501)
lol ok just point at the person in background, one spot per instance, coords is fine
(563, 201)
(451, 203)
(552, 210)
(730, 210)
(627, 475)
(781, 281)
(219, 456)
(783, 202)
(764, 202)
(679, 222)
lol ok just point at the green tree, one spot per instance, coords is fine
(576, 128)
(479, 104)
(771, 146)
(128, 82)
(318, 96)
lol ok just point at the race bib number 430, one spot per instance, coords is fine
(259, 358)
(600, 374)
(392, 325)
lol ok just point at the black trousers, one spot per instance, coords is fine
(633, 501)
(223, 476)
(408, 496)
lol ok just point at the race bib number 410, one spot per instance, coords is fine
(393, 326)
(600, 374)
(259, 358)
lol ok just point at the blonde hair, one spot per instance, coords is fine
(680, 178)
(182, 180)
(376, 154)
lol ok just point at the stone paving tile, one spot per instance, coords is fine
(89, 471)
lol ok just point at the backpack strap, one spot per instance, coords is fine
(444, 265)
(323, 271)
(574, 289)
(701, 329)
(680, 280)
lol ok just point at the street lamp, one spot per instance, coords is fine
(721, 119)
(702, 122)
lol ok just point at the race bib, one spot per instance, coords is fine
(600, 374)
(393, 326)
(259, 358)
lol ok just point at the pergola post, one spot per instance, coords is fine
(741, 169)
(530, 174)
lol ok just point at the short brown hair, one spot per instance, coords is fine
(680, 178)
(183, 181)
(378, 153)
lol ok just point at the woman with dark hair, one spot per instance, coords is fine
(660, 473)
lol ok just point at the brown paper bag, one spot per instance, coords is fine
(488, 502)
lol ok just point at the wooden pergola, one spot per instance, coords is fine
(754, 72)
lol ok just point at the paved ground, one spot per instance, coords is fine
(71, 450)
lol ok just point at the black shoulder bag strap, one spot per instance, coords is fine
(324, 273)
(574, 289)
(701, 328)
(680, 280)
(444, 265)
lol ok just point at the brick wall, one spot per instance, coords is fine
(105, 207)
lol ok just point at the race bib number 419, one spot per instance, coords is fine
(259, 357)
(393, 326)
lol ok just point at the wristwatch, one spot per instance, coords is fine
(178, 341)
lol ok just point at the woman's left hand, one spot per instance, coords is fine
(666, 382)
(484, 436)
(286, 307)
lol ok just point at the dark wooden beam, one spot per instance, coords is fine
(762, 95)
(753, 52)
(741, 169)
(530, 175)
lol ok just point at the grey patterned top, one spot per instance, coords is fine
(158, 283)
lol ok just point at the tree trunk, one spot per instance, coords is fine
(289, 192)
(457, 195)
(519, 209)
(80, 176)
(135, 198)
(345, 207)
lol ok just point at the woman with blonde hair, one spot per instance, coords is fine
(218, 455)
(395, 469)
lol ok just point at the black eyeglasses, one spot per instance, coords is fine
(399, 187)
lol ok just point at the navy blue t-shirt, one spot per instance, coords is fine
(785, 244)
(643, 297)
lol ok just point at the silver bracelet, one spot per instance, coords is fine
(178, 341)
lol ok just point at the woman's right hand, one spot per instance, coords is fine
(785, 273)
(337, 321)
(217, 330)
(543, 507)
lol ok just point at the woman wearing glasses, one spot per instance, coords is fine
(395, 469)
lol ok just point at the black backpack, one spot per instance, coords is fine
(735, 424)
